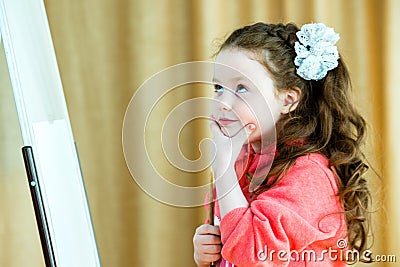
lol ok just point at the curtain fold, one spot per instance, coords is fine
(107, 49)
(391, 125)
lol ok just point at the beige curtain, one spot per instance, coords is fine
(106, 49)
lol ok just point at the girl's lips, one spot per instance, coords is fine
(226, 122)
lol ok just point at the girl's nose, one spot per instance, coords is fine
(225, 107)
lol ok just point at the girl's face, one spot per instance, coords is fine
(245, 95)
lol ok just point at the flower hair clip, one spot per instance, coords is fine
(316, 51)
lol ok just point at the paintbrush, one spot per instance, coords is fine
(211, 205)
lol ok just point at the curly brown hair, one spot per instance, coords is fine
(324, 116)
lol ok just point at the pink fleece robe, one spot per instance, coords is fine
(298, 222)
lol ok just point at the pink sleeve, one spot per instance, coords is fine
(295, 214)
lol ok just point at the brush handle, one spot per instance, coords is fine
(211, 205)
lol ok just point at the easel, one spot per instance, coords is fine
(51, 161)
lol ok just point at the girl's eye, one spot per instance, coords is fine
(218, 88)
(241, 89)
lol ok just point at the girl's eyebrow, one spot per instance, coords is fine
(234, 79)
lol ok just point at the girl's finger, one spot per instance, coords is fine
(205, 229)
(208, 258)
(207, 240)
(210, 249)
(251, 127)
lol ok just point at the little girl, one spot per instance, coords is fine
(285, 108)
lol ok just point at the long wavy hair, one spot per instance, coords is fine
(324, 117)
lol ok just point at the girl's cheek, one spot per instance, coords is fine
(214, 107)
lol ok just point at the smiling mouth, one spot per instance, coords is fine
(226, 122)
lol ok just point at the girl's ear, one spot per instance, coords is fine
(290, 99)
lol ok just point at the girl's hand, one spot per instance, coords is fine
(207, 245)
(227, 145)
